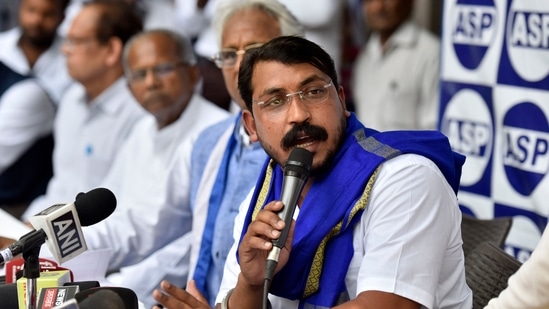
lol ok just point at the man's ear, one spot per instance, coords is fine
(116, 48)
(194, 74)
(249, 123)
(341, 95)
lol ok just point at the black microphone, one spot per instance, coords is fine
(60, 225)
(103, 299)
(296, 173)
(117, 298)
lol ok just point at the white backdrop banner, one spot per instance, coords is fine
(494, 109)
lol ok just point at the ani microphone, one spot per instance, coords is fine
(60, 226)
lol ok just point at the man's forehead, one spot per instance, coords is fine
(241, 40)
(274, 74)
(86, 20)
(249, 26)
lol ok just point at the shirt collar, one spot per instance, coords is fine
(112, 99)
(405, 36)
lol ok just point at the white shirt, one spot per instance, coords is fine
(145, 219)
(50, 69)
(408, 241)
(528, 287)
(87, 137)
(398, 89)
(26, 115)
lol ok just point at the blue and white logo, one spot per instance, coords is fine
(468, 124)
(525, 152)
(527, 37)
(474, 29)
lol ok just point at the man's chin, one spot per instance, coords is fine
(40, 40)
(321, 165)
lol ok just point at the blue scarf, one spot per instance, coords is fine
(323, 239)
(205, 256)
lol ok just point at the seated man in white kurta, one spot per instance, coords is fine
(161, 71)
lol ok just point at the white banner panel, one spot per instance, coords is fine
(495, 109)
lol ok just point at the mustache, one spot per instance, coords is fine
(313, 132)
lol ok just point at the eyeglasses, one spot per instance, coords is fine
(161, 70)
(311, 95)
(227, 57)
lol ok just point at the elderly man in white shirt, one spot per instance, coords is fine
(161, 69)
(322, 21)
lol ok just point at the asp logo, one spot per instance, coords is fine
(525, 143)
(527, 37)
(467, 122)
(473, 30)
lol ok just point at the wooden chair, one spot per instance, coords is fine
(476, 231)
(487, 270)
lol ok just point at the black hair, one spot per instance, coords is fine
(287, 50)
(117, 19)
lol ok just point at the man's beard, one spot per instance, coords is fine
(324, 167)
(42, 40)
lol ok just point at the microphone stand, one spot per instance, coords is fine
(31, 249)
(31, 271)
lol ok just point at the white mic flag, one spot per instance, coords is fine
(63, 229)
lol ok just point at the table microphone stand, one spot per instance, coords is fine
(31, 249)
(31, 271)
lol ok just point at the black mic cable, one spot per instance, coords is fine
(296, 173)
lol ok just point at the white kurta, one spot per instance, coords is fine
(144, 219)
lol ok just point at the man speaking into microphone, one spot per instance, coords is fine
(377, 223)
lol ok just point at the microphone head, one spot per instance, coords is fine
(94, 206)
(299, 163)
(126, 296)
(102, 299)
